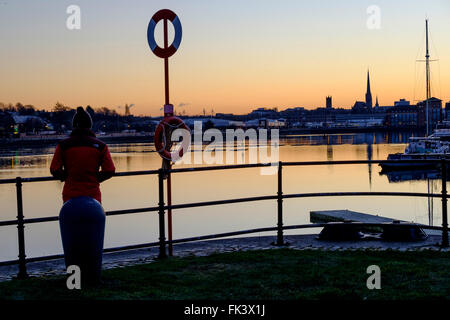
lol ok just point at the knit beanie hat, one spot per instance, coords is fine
(82, 119)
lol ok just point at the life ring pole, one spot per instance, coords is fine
(166, 63)
(169, 178)
(166, 52)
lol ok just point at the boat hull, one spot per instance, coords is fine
(400, 165)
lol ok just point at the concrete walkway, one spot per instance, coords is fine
(203, 248)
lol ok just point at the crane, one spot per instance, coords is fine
(127, 109)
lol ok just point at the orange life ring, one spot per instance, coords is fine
(161, 139)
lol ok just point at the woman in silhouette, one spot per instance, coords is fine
(82, 160)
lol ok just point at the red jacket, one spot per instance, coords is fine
(77, 161)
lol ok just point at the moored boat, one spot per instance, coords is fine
(422, 149)
(433, 147)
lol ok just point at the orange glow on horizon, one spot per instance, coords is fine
(228, 61)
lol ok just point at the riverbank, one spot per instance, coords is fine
(279, 274)
(42, 141)
(204, 248)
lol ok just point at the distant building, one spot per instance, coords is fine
(381, 109)
(405, 115)
(28, 123)
(359, 107)
(272, 123)
(402, 115)
(360, 119)
(294, 115)
(266, 123)
(264, 113)
(435, 113)
(224, 115)
(447, 111)
(401, 102)
(329, 104)
(6, 124)
(213, 122)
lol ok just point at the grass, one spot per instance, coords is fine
(279, 274)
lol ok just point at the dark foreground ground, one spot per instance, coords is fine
(261, 274)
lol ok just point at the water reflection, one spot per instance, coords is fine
(329, 152)
(433, 180)
(352, 138)
(43, 199)
(22, 162)
(13, 157)
(413, 175)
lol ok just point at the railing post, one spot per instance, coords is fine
(444, 203)
(162, 234)
(20, 231)
(280, 239)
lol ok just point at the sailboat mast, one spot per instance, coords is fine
(427, 60)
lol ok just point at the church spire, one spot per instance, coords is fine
(368, 93)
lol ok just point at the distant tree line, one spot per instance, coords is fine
(59, 119)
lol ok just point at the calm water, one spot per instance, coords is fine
(44, 198)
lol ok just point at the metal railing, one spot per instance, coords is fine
(279, 196)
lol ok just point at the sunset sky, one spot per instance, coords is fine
(235, 55)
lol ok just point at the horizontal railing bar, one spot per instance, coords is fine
(6, 181)
(135, 173)
(107, 213)
(38, 179)
(237, 200)
(117, 174)
(128, 211)
(309, 163)
(303, 163)
(8, 223)
(228, 234)
(55, 218)
(38, 220)
(374, 193)
(149, 209)
(240, 166)
(151, 172)
(232, 166)
(31, 179)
